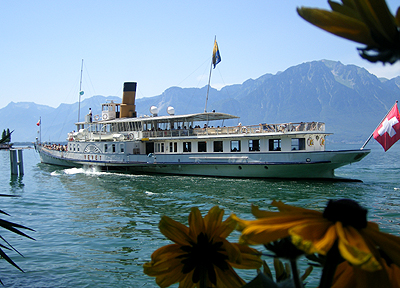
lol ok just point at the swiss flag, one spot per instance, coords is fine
(388, 132)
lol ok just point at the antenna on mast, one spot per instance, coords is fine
(80, 93)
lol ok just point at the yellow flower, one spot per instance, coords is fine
(368, 22)
(201, 256)
(342, 222)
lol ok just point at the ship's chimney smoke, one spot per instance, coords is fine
(128, 108)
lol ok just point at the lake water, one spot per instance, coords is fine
(95, 229)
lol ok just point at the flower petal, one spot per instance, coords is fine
(167, 279)
(292, 209)
(174, 231)
(394, 275)
(226, 228)
(344, 276)
(196, 223)
(347, 276)
(187, 281)
(338, 24)
(368, 279)
(228, 278)
(266, 230)
(353, 248)
(250, 258)
(315, 237)
(166, 252)
(165, 265)
(213, 220)
(390, 244)
(377, 16)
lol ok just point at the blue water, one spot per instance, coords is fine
(96, 229)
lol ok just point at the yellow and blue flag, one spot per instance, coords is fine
(216, 58)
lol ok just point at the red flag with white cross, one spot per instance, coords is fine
(388, 132)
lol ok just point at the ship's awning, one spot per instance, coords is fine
(197, 117)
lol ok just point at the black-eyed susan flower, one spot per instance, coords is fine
(342, 225)
(368, 22)
(201, 255)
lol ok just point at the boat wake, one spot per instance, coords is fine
(75, 171)
(85, 170)
(89, 171)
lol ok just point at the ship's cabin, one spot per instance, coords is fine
(197, 133)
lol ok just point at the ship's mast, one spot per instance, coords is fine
(80, 93)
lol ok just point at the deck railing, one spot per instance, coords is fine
(261, 128)
(209, 131)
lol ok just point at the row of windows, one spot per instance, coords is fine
(112, 148)
(172, 147)
(235, 146)
(107, 148)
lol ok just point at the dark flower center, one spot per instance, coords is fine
(347, 211)
(202, 256)
(284, 248)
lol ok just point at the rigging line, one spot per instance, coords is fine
(119, 91)
(194, 71)
(141, 93)
(229, 95)
(90, 80)
(198, 84)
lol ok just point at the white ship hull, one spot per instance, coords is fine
(293, 165)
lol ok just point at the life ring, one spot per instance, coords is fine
(130, 136)
(310, 141)
(105, 116)
(322, 141)
(96, 117)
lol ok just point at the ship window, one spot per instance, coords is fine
(298, 144)
(235, 146)
(113, 148)
(105, 147)
(254, 145)
(218, 146)
(77, 147)
(160, 147)
(122, 148)
(74, 147)
(173, 147)
(275, 145)
(187, 146)
(202, 146)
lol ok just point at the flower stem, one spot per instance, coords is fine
(333, 259)
(295, 272)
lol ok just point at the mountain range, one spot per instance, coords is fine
(350, 100)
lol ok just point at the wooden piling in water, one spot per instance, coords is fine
(16, 162)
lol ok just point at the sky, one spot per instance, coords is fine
(158, 44)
